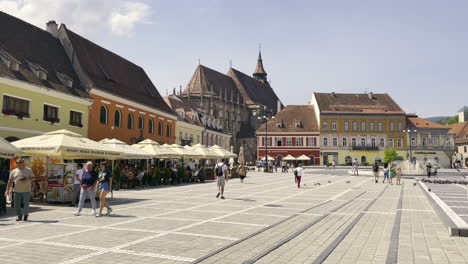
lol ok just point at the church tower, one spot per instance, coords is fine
(260, 73)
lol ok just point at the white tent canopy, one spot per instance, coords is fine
(303, 157)
(223, 152)
(128, 152)
(65, 143)
(156, 150)
(289, 157)
(7, 150)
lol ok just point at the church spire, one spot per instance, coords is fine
(260, 73)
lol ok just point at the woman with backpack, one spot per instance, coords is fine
(242, 170)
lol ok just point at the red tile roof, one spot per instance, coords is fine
(357, 103)
(461, 132)
(419, 122)
(293, 118)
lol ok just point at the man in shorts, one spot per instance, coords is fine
(221, 173)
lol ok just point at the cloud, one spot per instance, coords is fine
(123, 21)
(89, 17)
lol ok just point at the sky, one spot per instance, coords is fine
(414, 50)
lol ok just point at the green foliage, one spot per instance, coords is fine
(452, 120)
(390, 155)
(116, 173)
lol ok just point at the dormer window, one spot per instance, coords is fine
(39, 71)
(9, 60)
(67, 81)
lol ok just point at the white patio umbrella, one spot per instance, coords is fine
(289, 157)
(186, 153)
(269, 158)
(241, 158)
(128, 152)
(204, 152)
(7, 150)
(303, 157)
(65, 143)
(225, 153)
(156, 150)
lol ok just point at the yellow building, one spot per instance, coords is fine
(38, 87)
(358, 126)
(188, 133)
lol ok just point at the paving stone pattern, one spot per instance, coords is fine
(183, 224)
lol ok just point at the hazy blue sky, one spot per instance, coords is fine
(414, 50)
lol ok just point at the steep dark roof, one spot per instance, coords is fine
(357, 103)
(293, 118)
(111, 73)
(25, 42)
(254, 91)
(204, 79)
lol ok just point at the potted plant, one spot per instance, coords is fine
(167, 175)
(180, 175)
(116, 176)
(156, 179)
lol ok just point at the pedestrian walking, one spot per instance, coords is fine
(221, 173)
(398, 176)
(89, 182)
(77, 183)
(435, 170)
(21, 177)
(298, 174)
(105, 186)
(242, 172)
(429, 169)
(385, 173)
(355, 167)
(334, 164)
(375, 170)
(392, 173)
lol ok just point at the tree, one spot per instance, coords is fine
(453, 120)
(391, 155)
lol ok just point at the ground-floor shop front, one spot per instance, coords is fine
(346, 157)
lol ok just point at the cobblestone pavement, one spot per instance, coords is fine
(332, 219)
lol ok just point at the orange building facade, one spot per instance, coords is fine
(111, 116)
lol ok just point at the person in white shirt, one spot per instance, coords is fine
(221, 173)
(298, 173)
(77, 183)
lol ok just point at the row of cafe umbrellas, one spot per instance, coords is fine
(289, 157)
(71, 145)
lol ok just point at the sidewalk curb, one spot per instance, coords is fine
(445, 214)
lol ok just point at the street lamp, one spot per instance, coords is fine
(266, 136)
(409, 131)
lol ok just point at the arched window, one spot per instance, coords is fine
(103, 115)
(130, 121)
(117, 118)
(160, 128)
(140, 122)
(168, 131)
(151, 126)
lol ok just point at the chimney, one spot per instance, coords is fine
(371, 95)
(52, 28)
(333, 94)
(278, 106)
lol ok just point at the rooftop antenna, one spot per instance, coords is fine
(230, 63)
(199, 61)
(167, 93)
